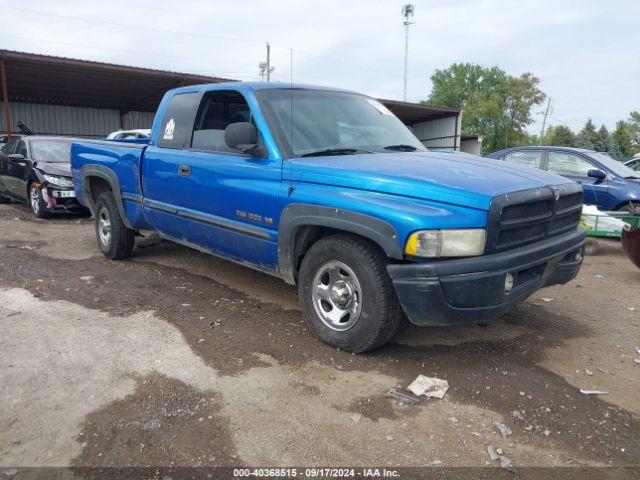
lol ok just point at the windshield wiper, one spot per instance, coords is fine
(334, 151)
(632, 178)
(402, 147)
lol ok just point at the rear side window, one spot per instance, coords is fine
(178, 121)
(530, 158)
(568, 165)
(10, 147)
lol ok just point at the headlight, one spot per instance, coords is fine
(446, 243)
(58, 181)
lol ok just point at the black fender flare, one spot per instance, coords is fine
(105, 173)
(298, 215)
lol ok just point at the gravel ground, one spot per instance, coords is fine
(176, 358)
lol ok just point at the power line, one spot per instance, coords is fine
(121, 50)
(137, 27)
(193, 34)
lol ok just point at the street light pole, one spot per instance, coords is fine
(407, 13)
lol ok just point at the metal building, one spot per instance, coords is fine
(63, 96)
(471, 144)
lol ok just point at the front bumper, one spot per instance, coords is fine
(469, 290)
(60, 199)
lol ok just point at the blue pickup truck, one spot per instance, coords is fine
(328, 190)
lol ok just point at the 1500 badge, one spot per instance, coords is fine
(254, 216)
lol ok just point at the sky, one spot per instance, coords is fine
(586, 53)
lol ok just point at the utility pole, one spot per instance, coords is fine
(5, 96)
(544, 122)
(407, 13)
(265, 67)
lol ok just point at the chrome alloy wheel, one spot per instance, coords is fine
(34, 198)
(104, 227)
(337, 295)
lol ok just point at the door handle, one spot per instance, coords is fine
(184, 170)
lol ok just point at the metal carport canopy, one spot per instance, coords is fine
(45, 79)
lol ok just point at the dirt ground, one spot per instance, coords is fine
(176, 358)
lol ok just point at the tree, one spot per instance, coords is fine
(522, 94)
(494, 104)
(588, 136)
(602, 140)
(622, 138)
(634, 126)
(559, 136)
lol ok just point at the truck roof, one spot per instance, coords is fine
(257, 86)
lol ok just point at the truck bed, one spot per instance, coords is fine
(116, 162)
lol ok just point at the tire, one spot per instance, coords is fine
(114, 238)
(36, 202)
(346, 294)
(629, 207)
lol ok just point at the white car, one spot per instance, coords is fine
(123, 134)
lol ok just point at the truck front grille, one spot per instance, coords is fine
(528, 216)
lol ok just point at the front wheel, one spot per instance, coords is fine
(630, 207)
(346, 294)
(36, 202)
(114, 238)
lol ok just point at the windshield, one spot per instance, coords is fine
(618, 169)
(309, 122)
(51, 151)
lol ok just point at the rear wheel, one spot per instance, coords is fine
(114, 238)
(36, 202)
(346, 294)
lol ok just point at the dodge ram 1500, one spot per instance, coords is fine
(328, 190)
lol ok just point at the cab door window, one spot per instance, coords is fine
(21, 149)
(217, 111)
(568, 165)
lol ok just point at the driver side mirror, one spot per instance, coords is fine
(241, 136)
(597, 174)
(18, 157)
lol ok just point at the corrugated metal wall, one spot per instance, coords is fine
(135, 120)
(441, 133)
(72, 121)
(472, 146)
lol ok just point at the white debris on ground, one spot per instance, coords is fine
(506, 463)
(505, 431)
(7, 312)
(594, 392)
(401, 397)
(429, 387)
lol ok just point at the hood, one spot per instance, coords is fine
(60, 169)
(456, 178)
